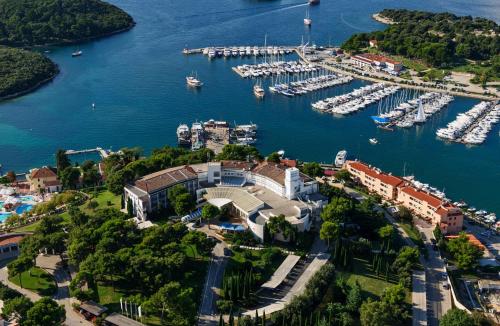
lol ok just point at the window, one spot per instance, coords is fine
(6, 249)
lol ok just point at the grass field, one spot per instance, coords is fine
(39, 281)
(412, 232)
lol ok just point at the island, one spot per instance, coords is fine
(23, 71)
(62, 22)
(435, 44)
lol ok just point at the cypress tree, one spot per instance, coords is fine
(221, 320)
(256, 322)
(264, 318)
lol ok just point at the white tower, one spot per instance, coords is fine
(293, 183)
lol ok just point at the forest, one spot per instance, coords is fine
(438, 39)
(22, 70)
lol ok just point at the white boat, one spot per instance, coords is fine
(193, 81)
(307, 20)
(183, 135)
(281, 153)
(373, 141)
(77, 53)
(258, 91)
(340, 158)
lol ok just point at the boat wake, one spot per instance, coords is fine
(351, 25)
(273, 9)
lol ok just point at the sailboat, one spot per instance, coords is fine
(307, 20)
(420, 117)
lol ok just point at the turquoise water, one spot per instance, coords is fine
(137, 81)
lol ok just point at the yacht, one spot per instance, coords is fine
(373, 141)
(340, 158)
(77, 53)
(212, 53)
(193, 81)
(183, 135)
(258, 90)
(307, 20)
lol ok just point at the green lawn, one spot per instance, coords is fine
(242, 256)
(39, 281)
(412, 232)
(372, 285)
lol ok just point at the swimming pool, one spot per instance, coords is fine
(23, 208)
(26, 198)
(3, 216)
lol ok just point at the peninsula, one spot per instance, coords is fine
(62, 23)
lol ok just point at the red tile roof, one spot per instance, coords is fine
(165, 178)
(10, 239)
(385, 178)
(289, 163)
(423, 196)
(44, 172)
(379, 58)
(237, 165)
(472, 239)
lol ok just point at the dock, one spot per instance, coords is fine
(476, 123)
(102, 152)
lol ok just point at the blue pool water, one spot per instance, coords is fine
(137, 81)
(3, 216)
(23, 208)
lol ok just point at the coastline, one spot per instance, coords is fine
(404, 85)
(381, 19)
(32, 88)
(51, 78)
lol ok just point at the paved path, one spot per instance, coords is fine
(207, 314)
(419, 300)
(62, 279)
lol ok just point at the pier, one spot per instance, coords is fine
(242, 51)
(478, 121)
(102, 152)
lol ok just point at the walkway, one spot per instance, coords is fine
(51, 264)
(208, 314)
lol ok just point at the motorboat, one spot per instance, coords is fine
(258, 91)
(193, 81)
(373, 141)
(340, 158)
(314, 2)
(183, 135)
(307, 20)
(77, 53)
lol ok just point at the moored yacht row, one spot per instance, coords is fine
(305, 86)
(414, 111)
(356, 100)
(213, 52)
(472, 127)
(268, 69)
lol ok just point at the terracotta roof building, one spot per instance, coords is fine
(44, 180)
(374, 179)
(9, 245)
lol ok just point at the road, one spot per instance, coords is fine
(419, 300)
(62, 295)
(207, 314)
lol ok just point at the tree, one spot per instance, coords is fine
(312, 169)
(209, 212)
(171, 302)
(376, 313)
(354, 298)
(456, 317)
(62, 160)
(337, 210)
(274, 157)
(45, 312)
(329, 231)
(176, 191)
(19, 266)
(279, 224)
(130, 207)
(405, 214)
(465, 253)
(343, 175)
(184, 203)
(11, 176)
(69, 177)
(239, 153)
(19, 305)
(386, 232)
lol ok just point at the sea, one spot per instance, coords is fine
(137, 81)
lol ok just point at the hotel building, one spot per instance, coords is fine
(424, 204)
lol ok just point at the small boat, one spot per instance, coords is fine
(258, 90)
(183, 135)
(93, 106)
(77, 53)
(373, 141)
(193, 81)
(314, 2)
(307, 20)
(340, 158)
(281, 153)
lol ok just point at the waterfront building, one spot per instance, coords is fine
(386, 185)
(435, 210)
(431, 208)
(377, 61)
(252, 191)
(44, 179)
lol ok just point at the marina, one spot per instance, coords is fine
(301, 87)
(213, 134)
(356, 100)
(268, 69)
(405, 114)
(473, 126)
(240, 51)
